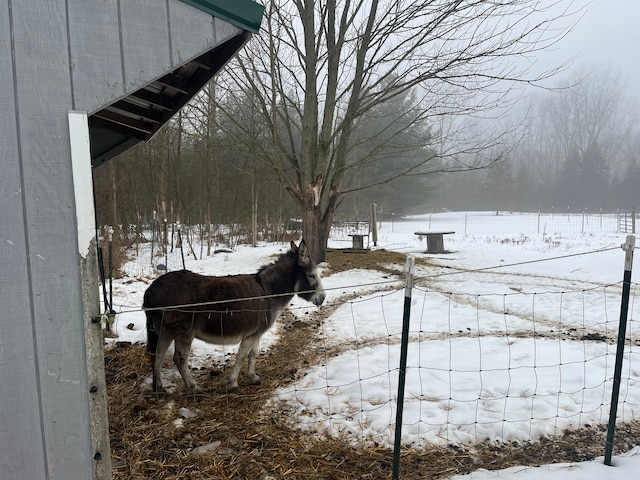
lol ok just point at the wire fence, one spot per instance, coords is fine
(504, 222)
(480, 367)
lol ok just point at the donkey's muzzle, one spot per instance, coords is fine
(318, 298)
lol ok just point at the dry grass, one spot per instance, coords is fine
(253, 445)
(381, 260)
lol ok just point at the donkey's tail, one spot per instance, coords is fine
(152, 333)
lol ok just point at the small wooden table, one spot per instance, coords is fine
(357, 240)
(435, 241)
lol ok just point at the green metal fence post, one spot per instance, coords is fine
(404, 346)
(628, 247)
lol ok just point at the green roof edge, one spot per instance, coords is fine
(245, 14)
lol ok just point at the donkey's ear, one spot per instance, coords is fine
(294, 247)
(303, 255)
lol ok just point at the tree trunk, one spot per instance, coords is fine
(317, 221)
(315, 233)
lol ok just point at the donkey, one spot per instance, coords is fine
(183, 305)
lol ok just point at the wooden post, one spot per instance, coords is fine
(374, 225)
(88, 257)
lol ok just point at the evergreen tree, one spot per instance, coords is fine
(388, 157)
(594, 177)
(628, 190)
(569, 191)
(499, 187)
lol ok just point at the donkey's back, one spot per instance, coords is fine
(219, 310)
(194, 292)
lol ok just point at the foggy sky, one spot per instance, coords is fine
(608, 35)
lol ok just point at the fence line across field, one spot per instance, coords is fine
(471, 223)
(501, 222)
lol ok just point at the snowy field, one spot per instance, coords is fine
(512, 335)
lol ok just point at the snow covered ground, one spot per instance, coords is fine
(507, 335)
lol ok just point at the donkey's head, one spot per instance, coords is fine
(308, 284)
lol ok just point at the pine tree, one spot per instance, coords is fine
(594, 178)
(569, 191)
(499, 186)
(628, 190)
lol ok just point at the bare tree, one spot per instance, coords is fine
(569, 111)
(581, 138)
(320, 67)
(591, 105)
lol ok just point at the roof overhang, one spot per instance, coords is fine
(138, 116)
(245, 14)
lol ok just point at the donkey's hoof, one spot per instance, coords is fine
(194, 389)
(254, 380)
(158, 392)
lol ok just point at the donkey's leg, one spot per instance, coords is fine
(251, 363)
(181, 359)
(243, 350)
(164, 340)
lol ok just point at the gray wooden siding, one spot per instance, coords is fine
(86, 42)
(57, 56)
(136, 43)
(20, 426)
(144, 30)
(43, 96)
(184, 18)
